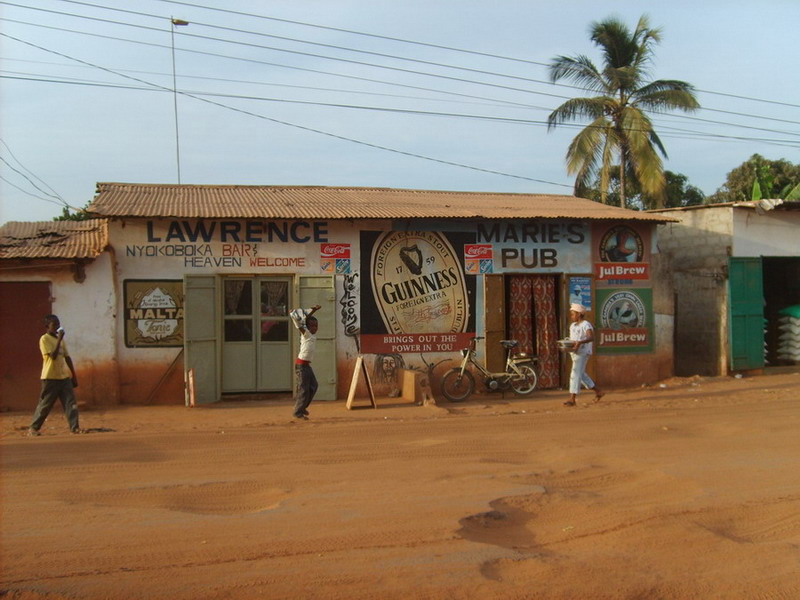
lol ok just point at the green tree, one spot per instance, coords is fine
(677, 192)
(772, 179)
(78, 215)
(619, 131)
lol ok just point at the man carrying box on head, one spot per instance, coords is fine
(306, 382)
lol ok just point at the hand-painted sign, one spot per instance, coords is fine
(625, 320)
(543, 246)
(153, 313)
(232, 244)
(622, 256)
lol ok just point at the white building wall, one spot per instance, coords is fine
(87, 310)
(773, 233)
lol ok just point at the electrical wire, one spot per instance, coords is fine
(237, 30)
(286, 123)
(54, 194)
(14, 185)
(31, 181)
(426, 44)
(116, 38)
(684, 134)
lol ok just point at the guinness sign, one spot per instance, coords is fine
(418, 283)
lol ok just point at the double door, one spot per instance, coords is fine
(256, 342)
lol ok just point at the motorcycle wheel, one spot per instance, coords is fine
(457, 386)
(527, 382)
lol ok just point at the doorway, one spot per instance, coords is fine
(532, 318)
(781, 293)
(23, 306)
(256, 347)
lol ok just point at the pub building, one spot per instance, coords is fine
(200, 279)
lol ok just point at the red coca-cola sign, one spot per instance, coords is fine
(335, 251)
(477, 251)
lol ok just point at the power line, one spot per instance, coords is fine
(683, 133)
(280, 37)
(351, 31)
(458, 79)
(55, 194)
(297, 40)
(14, 185)
(429, 45)
(286, 123)
(273, 64)
(301, 53)
(31, 181)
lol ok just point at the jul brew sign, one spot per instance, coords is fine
(417, 297)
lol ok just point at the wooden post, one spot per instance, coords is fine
(190, 401)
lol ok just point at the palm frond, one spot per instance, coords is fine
(579, 70)
(667, 95)
(576, 109)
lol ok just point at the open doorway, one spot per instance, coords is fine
(781, 291)
(532, 318)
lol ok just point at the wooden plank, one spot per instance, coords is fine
(360, 369)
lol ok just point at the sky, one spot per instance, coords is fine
(433, 94)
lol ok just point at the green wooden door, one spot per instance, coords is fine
(319, 289)
(746, 313)
(200, 333)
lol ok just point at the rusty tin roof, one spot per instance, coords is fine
(313, 202)
(53, 239)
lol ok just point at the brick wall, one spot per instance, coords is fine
(697, 251)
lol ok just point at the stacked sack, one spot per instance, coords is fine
(789, 333)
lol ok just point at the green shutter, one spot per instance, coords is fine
(319, 289)
(200, 332)
(746, 310)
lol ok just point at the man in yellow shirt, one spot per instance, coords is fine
(58, 378)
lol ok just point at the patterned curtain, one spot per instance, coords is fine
(532, 320)
(520, 312)
(544, 302)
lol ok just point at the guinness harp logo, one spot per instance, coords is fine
(418, 283)
(412, 257)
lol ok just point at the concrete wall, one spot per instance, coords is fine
(697, 250)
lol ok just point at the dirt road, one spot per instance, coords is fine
(691, 490)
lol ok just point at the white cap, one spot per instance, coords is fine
(578, 308)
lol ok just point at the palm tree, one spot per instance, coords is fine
(620, 132)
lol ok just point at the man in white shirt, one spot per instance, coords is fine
(306, 381)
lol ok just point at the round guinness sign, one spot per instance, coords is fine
(418, 283)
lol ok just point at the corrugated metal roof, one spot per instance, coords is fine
(53, 239)
(311, 202)
(764, 205)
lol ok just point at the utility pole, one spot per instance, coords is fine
(173, 24)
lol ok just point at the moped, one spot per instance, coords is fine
(520, 375)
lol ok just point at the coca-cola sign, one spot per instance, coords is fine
(477, 251)
(335, 251)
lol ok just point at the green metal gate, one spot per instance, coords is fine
(746, 313)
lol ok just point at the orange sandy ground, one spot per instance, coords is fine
(688, 489)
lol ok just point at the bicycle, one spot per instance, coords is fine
(520, 374)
